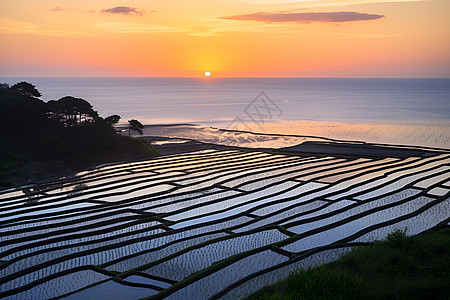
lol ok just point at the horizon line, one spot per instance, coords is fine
(228, 77)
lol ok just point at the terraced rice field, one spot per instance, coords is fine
(210, 224)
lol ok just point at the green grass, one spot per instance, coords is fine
(400, 267)
(314, 284)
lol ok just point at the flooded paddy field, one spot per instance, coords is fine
(210, 223)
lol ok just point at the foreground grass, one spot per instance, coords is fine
(400, 267)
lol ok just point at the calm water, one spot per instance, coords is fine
(396, 111)
(212, 100)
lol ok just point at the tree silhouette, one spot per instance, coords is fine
(71, 111)
(112, 120)
(26, 89)
(135, 125)
(20, 111)
(59, 135)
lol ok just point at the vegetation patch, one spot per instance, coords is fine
(399, 267)
(68, 131)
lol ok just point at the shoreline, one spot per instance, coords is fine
(434, 136)
(176, 146)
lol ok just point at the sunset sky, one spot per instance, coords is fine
(325, 38)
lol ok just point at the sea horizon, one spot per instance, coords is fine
(384, 110)
(212, 149)
(212, 77)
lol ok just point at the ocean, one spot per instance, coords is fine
(376, 110)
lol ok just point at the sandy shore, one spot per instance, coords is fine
(169, 146)
(353, 149)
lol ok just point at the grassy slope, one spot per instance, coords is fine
(400, 267)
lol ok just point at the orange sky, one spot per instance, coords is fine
(327, 38)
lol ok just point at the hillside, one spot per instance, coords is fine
(44, 139)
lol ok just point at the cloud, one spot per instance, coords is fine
(58, 9)
(327, 3)
(124, 10)
(327, 17)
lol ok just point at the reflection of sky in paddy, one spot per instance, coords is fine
(143, 222)
(112, 290)
(36, 214)
(339, 232)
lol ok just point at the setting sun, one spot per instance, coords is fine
(208, 148)
(360, 38)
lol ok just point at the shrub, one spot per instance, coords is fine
(398, 238)
(317, 283)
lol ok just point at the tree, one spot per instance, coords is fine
(71, 111)
(20, 111)
(26, 89)
(112, 120)
(135, 125)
